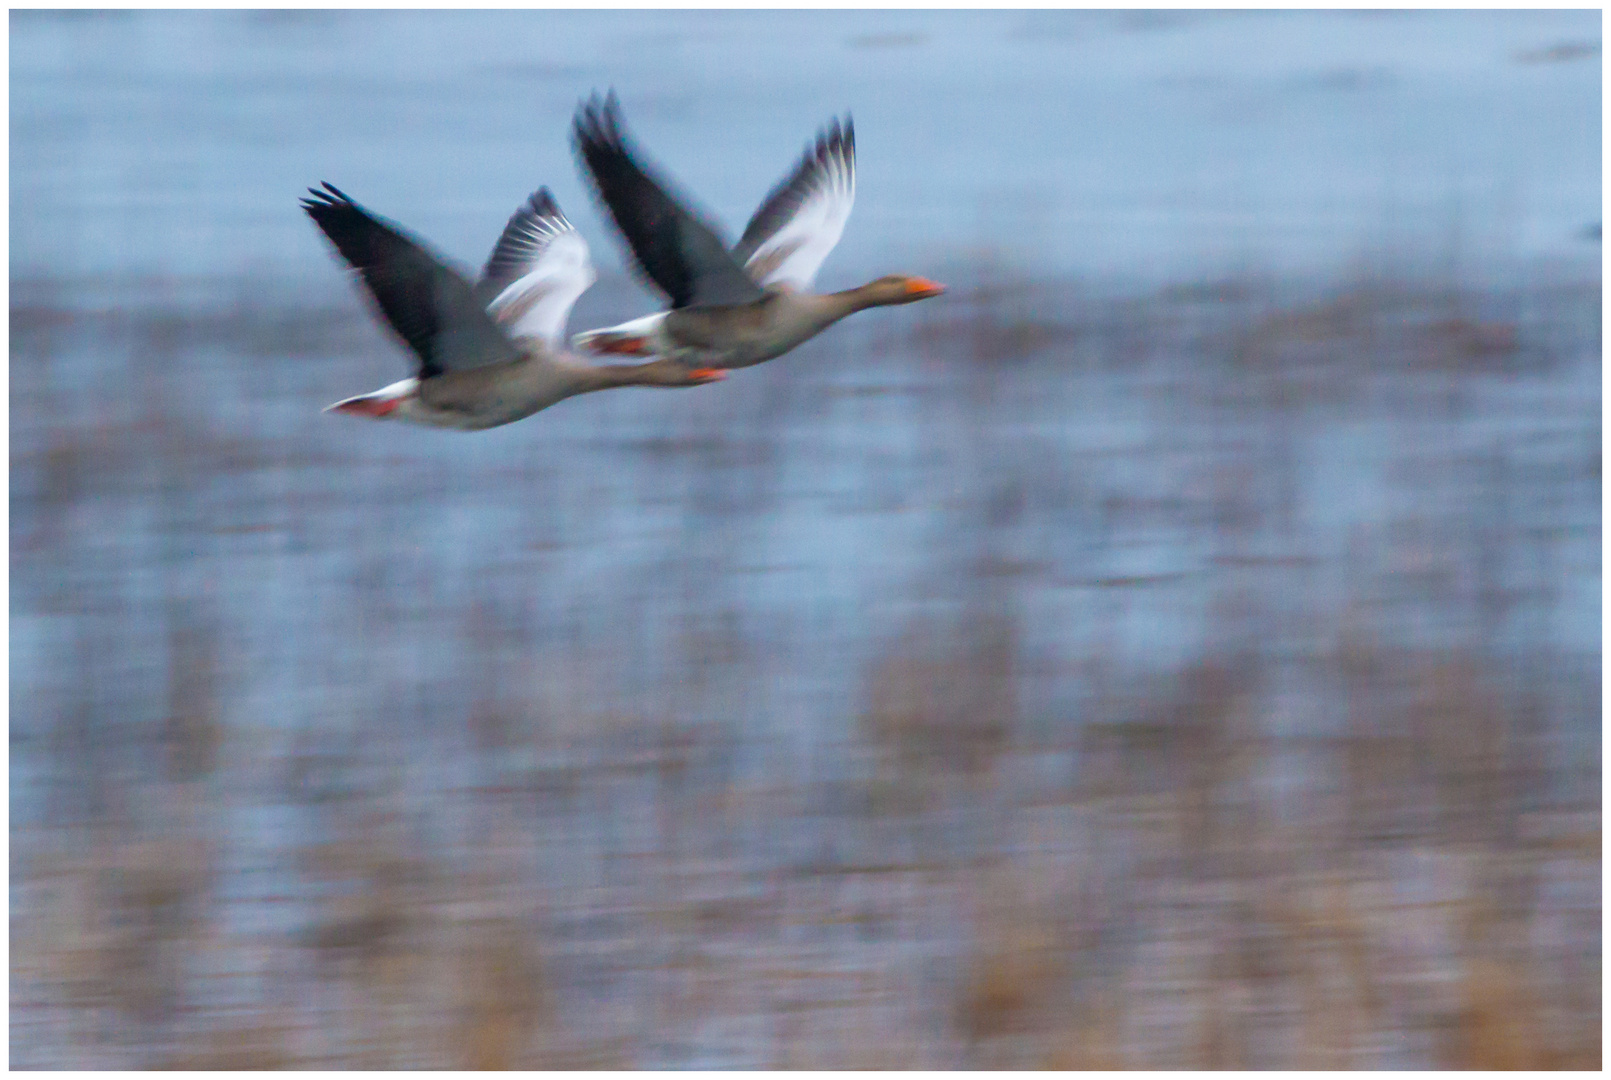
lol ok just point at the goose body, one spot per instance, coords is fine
(488, 353)
(735, 307)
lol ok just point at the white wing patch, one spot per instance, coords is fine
(795, 251)
(637, 337)
(546, 264)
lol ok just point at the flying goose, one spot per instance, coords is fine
(489, 353)
(735, 308)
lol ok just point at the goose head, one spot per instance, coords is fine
(898, 289)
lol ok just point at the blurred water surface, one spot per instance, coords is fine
(1178, 646)
(1127, 144)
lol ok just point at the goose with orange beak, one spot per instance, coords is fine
(488, 352)
(735, 307)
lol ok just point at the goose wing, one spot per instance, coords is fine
(537, 270)
(672, 246)
(431, 306)
(802, 219)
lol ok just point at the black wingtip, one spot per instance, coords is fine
(836, 139)
(325, 199)
(542, 204)
(845, 132)
(598, 121)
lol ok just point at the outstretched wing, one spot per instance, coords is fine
(675, 249)
(428, 303)
(537, 270)
(804, 216)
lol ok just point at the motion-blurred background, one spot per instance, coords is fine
(1178, 646)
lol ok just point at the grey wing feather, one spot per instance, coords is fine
(431, 306)
(802, 218)
(672, 246)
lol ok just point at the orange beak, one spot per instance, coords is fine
(921, 287)
(708, 374)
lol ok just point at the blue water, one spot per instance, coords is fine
(1132, 145)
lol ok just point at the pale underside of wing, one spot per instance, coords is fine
(536, 272)
(804, 216)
